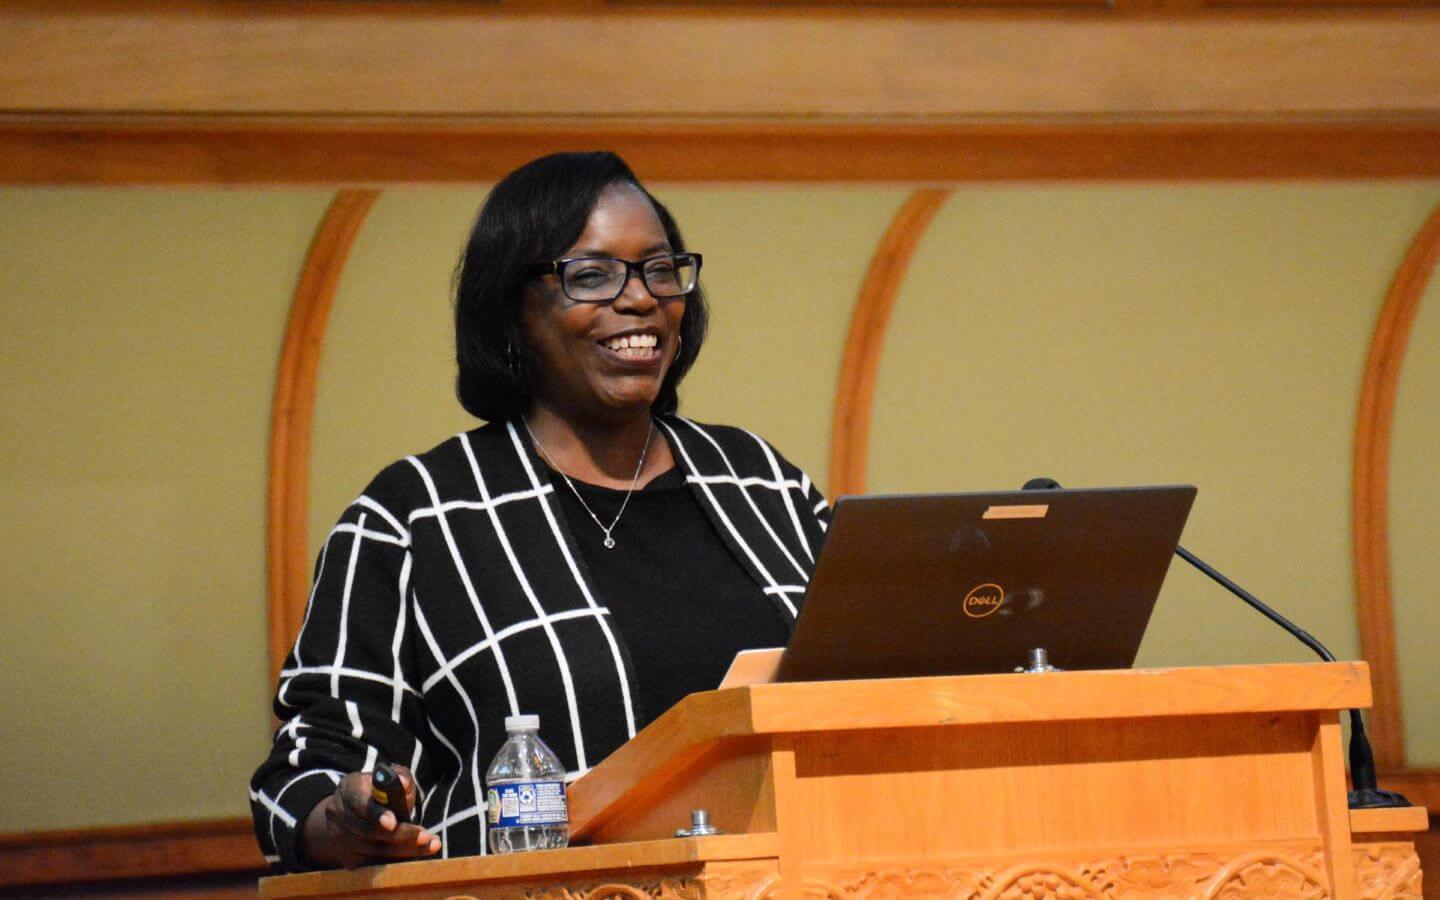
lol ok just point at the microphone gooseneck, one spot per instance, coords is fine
(1366, 794)
(1300, 634)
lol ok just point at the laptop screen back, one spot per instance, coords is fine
(954, 584)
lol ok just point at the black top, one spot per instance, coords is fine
(680, 598)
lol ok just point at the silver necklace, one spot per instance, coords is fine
(644, 451)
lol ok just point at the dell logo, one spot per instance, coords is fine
(984, 600)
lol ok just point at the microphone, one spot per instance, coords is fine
(1366, 794)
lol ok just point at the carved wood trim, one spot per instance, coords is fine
(130, 851)
(1387, 870)
(855, 396)
(1282, 869)
(1371, 484)
(287, 573)
(128, 150)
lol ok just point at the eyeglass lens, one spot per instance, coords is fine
(604, 279)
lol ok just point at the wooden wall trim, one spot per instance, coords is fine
(1370, 487)
(150, 150)
(130, 851)
(293, 414)
(855, 397)
(1421, 786)
(885, 62)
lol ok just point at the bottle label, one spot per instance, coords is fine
(527, 803)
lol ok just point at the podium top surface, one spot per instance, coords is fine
(1054, 696)
(462, 872)
(795, 708)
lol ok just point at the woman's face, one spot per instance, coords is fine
(581, 367)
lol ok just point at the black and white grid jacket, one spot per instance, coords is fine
(451, 594)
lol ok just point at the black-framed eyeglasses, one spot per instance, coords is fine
(600, 279)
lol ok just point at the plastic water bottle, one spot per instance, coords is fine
(525, 792)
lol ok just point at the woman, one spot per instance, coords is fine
(588, 555)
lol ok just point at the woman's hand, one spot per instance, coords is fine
(350, 828)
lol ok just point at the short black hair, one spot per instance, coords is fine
(533, 215)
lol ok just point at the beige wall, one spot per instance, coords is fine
(139, 339)
(385, 385)
(1210, 334)
(1415, 532)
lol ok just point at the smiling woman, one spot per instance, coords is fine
(463, 586)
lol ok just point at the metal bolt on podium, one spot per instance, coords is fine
(699, 825)
(1039, 663)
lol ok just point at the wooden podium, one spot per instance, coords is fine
(1205, 782)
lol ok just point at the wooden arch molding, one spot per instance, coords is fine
(855, 396)
(1370, 486)
(293, 416)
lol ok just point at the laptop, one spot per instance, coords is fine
(960, 584)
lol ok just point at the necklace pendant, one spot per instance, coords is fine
(634, 480)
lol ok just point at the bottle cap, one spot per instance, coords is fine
(521, 723)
